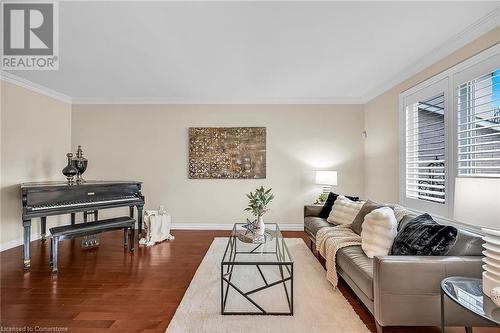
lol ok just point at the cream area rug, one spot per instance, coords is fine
(318, 307)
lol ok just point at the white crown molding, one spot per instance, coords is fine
(35, 87)
(475, 30)
(257, 101)
(228, 226)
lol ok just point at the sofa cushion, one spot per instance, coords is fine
(422, 236)
(379, 230)
(354, 262)
(357, 224)
(327, 207)
(468, 244)
(312, 224)
(344, 210)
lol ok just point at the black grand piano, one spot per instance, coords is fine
(56, 198)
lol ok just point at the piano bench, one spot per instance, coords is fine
(90, 228)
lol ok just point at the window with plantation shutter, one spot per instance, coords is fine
(450, 142)
(426, 149)
(478, 119)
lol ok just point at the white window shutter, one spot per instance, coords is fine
(426, 149)
(478, 115)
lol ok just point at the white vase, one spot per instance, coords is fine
(261, 227)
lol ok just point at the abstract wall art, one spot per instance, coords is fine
(227, 152)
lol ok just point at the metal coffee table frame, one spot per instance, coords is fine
(285, 267)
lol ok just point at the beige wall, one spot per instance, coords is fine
(150, 143)
(382, 124)
(35, 136)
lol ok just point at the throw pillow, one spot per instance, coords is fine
(344, 210)
(327, 207)
(379, 229)
(422, 236)
(357, 224)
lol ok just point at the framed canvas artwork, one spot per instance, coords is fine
(227, 152)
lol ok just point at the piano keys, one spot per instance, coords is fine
(42, 199)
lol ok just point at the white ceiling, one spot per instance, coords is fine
(248, 52)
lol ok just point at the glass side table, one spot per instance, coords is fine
(468, 293)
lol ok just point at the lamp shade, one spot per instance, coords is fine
(326, 177)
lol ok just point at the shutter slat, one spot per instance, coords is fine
(479, 159)
(479, 136)
(480, 152)
(478, 128)
(480, 119)
(438, 193)
(480, 144)
(427, 185)
(426, 179)
(492, 102)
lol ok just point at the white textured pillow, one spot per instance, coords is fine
(379, 229)
(344, 210)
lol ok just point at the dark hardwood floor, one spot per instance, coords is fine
(107, 290)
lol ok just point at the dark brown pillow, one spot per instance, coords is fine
(357, 224)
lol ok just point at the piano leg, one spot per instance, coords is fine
(131, 211)
(27, 240)
(139, 219)
(73, 218)
(43, 223)
(125, 237)
(132, 240)
(54, 253)
(96, 215)
(85, 217)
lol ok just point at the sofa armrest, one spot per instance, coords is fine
(405, 284)
(312, 210)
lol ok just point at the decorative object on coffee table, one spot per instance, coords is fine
(248, 234)
(491, 273)
(69, 170)
(80, 163)
(257, 204)
(467, 293)
(227, 152)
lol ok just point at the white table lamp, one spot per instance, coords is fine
(326, 179)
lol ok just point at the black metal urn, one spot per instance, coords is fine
(69, 170)
(80, 163)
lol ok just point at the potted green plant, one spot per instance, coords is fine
(257, 204)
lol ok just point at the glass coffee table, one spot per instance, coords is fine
(256, 278)
(468, 293)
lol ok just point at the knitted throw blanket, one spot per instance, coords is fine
(331, 239)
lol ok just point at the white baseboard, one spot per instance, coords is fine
(202, 226)
(175, 226)
(16, 242)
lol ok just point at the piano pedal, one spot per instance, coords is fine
(90, 242)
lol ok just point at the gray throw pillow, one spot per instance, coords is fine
(357, 224)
